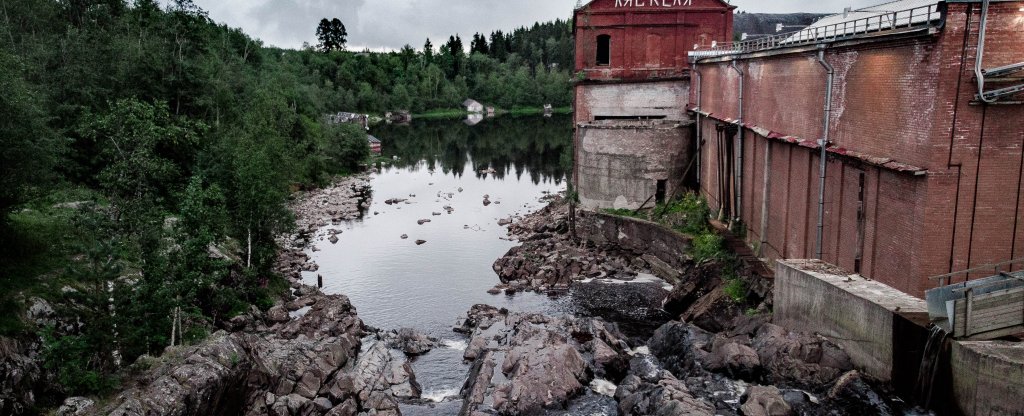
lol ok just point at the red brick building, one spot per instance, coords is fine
(633, 136)
(922, 176)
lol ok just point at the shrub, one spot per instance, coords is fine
(736, 289)
(708, 246)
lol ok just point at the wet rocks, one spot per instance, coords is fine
(380, 379)
(405, 236)
(525, 363)
(395, 201)
(549, 256)
(664, 395)
(410, 341)
(423, 221)
(421, 242)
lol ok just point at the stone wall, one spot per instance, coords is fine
(620, 163)
(663, 248)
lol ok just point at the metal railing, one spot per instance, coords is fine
(888, 21)
(988, 269)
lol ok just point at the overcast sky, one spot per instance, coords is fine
(390, 24)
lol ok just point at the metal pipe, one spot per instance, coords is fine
(700, 90)
(738, 208)
(823, 143)
(978, 72)
(764, 197)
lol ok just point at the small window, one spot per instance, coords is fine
(604, 50)
(659, 195)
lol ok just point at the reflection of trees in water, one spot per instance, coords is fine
(509, 145)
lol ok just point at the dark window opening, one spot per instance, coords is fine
(604, 50)
(659, 195)
(598, 118)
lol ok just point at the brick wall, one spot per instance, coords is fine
(900, 107)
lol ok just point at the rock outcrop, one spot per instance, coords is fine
(525, 363)
(19, 376)
(311, 365)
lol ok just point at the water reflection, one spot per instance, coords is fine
(536, 146)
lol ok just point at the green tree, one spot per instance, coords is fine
(332, 35)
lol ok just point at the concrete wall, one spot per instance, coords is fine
(864, 317)
(619, 163)
(669, 247)
(921, 180)
(988, 377)
(667, 99)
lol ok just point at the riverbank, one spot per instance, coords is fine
(720, 347)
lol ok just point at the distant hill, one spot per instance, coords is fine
(764, 23)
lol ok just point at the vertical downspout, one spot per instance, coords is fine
(978, 72)
(700, 81)
(824, 143)
(738, 208)
(764, 196)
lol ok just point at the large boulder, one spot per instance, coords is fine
(665, 397)
(308, 366)
(410, 341)
(765, 401)
(681, 347)
(799, 359)
(526, 363)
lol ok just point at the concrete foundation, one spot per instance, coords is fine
(667, 100)
(623, 164)
(988, 377)
(881, 328)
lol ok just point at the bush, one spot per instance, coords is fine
(708, 246)
(689, 214)
(736, 289)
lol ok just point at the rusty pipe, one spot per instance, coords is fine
(823, 143)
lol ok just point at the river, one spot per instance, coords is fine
(395, 283)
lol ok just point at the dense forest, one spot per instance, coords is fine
(148, 155)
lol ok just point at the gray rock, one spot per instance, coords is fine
(665, 397)
(75, 406)
(278, 314)
(410, 342)
(765, 401)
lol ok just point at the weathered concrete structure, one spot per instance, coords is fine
(874, 323)
(633, 140)
(921, 177)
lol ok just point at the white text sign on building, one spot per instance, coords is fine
(653, 3)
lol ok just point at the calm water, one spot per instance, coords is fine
(394, 282)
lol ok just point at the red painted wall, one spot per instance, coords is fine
(907, 101)
(649, 39)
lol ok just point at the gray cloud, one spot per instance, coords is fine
(390, 24)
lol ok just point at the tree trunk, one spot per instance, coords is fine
(248, 256)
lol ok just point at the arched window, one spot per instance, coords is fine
(604, 50)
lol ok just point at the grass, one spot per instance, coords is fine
(441, 114)
(36, 244)
(689, 215)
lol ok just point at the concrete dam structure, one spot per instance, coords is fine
(885, 143)
(634, 135)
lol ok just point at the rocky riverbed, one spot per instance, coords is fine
(632, 345)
